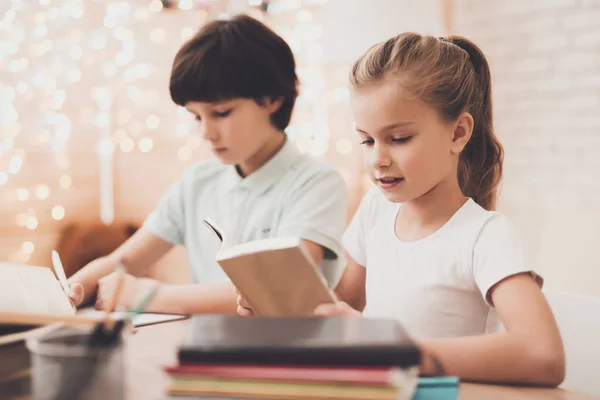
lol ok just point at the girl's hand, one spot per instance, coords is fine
(243, 307)
(338, 309)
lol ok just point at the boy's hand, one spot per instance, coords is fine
(244, 309)
(76, 294)
(338, 309)
(131, 291)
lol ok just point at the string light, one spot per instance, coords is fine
(15, 163)
(155, 5)
(62, 161)
(158, 35)
(152, 122)
(27, 247)
(186, 33)
(47, 67)
(343, 146)
(127, 145)
(42, 192)
(58, 213)
(145, 145)
(65, 181)
(31, 223)
(185, 4)
(304, 16)
(184, 153)
(22, 194)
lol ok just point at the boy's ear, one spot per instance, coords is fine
(462, 132)
(273, 104)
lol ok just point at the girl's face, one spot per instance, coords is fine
(408, 149)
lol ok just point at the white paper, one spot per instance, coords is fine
(25, 288)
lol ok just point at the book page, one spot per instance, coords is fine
(218, 232)
(257, 246)
(25, 288)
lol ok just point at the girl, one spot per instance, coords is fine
(425, 246)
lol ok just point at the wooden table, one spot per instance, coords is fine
(153, 347)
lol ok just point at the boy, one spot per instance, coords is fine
(238, 77)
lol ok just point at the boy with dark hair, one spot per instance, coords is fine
(238, 77)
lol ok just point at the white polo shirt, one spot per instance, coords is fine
(291, 195)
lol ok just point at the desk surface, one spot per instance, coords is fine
(154, 346)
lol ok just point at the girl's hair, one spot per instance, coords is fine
(452, 75)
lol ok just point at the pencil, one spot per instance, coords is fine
(60, 272)
(120, 271)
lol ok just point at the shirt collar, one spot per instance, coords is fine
(266, 176)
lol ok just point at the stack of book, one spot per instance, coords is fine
(295, 358)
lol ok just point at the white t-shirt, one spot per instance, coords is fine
(437, 286)
(293, 194)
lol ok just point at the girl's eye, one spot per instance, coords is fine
(222, 114)
(367, 142)
(401, 139)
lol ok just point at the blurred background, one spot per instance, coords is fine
(90, 139)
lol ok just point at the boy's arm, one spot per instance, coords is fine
(139, 252)
(200, 298)
(530, 351)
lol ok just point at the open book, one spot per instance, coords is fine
(277, 276)
(31, 296)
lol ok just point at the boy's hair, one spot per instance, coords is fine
(236, 58)
(452, 75)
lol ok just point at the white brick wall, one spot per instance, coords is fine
(545, 59)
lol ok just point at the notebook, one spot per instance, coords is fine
(388, 376)
(27, 288)
(276, 276)
(333, 341)
(142, 319)
(31, 296)
(437, 388)
(442, 388)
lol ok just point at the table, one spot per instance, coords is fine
(153, 347)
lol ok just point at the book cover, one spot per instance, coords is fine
(276, 276)
(334, 341)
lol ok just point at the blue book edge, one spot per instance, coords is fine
(438, 381)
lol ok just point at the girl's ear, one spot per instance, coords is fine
(462, 132)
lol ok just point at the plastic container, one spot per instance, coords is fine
(65, 366)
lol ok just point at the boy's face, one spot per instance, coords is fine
(237, 130)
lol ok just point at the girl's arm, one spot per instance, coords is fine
(351, 288)
(529, 352)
